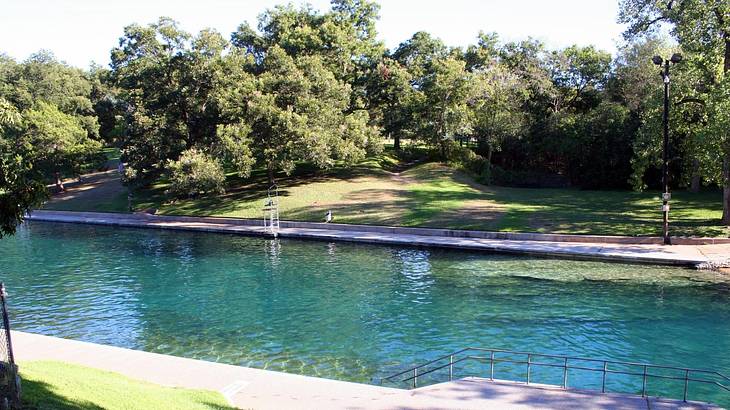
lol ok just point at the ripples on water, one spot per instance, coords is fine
(351, 311)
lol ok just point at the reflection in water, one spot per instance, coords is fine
(351, 311)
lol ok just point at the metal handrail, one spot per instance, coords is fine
(424, 369)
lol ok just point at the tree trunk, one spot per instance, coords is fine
(396, 142)
(489, 164)
(271, 174)
(726, 190)
(59, 182)
(695, 183)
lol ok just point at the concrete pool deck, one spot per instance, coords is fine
(701, 253)
(261, 389)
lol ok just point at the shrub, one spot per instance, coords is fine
(464, 157)
(195, 173)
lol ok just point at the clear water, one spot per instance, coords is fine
(357, 312)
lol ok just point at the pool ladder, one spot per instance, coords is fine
(271, 211)
(516, 360)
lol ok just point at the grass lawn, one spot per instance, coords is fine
(434, 195)
(430, 195)
(57, 385)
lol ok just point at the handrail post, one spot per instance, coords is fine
(415, 377)
(603, 384)
(491, 365)
(565, 373)
(686, 384)
(643, 384)
(529, 356)
(451, 367)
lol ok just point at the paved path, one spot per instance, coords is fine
(261, 389)
(687, 255)
(98, 191)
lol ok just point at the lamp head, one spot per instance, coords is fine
(657, 60)
(676, 57)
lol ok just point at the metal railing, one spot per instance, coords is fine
(566, 363)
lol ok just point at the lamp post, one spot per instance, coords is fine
(666, 196)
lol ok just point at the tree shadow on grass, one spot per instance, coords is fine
(41, 396)
(38, 395)
(253, 188)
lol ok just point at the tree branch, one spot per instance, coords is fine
(686, 100)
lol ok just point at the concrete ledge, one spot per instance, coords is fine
(712, 256)
(441, 232)
(245, 387)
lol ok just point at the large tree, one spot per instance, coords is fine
(496, 102)
(55, 142)
(168, 82)
(391, 99)
(295, 109)
(445, 112)
(343, 37)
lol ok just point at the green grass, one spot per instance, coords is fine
(433, 195)
(56, 385)
(447, 192)
(430, 195)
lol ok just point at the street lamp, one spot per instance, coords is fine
(676, 58)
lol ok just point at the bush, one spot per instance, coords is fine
(465, 158)
(195, 173)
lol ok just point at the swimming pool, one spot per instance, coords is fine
(352, 311)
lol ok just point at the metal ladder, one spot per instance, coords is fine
(271, 211)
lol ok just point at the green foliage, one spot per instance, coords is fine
(444, 111)
(55, 141)
(194, 174)
(702, 29)
(464, 158)
(600, 146)
(169, 81)
(578, 73)
(297, 111)
(20, 187)
(498, 98)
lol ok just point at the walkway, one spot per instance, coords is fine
(705, 255)
(262, 389)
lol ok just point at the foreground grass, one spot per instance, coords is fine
(56, 385)
(430, 195)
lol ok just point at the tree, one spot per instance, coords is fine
(391, 98)
(43, 78)
(703, 28)
(579, 73)
(21, 189)
(296, 110)
(195, 173)
(444, 111)
(344, 38)
(497, 101)
(107, 106)
(418, 53)
(168, 82)
(55, 141)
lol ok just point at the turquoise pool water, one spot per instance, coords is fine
(351, 311)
